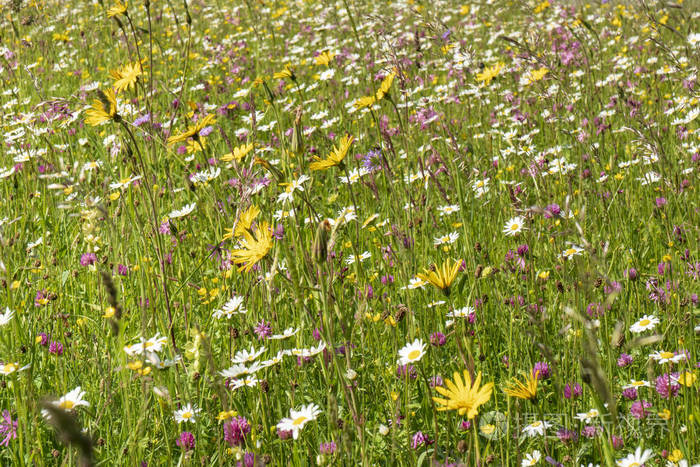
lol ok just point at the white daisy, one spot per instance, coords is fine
(531, 458)
(72, 400)
(9, 368)
(411, 352)
(570, 252)
(636, 384)
(6, 316)
(230, 308)
(289, 332)
(646, 323)
(514, 226)
(298, 418)
(588, 417)
(536, 428)
(247, 356)
(446, 239)
(666, 357)
(447, 210)
(635, 459)
(187, 413)
(182, 212)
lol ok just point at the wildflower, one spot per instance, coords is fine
(541, 370)
(666, 357)
(489, 73)
(126, 76)
(238, 153)
(419, 439)
(572, 391)
(324, 58)
(254, 247)
(638, 409)
(442, 277)
(438, 339)
(587, 417)
(56, 348)
(412, 352)
(386, 85)
(637, 458)
(88, 259)
(335, 157)
(406, 370)
(185, 210)
(8, 428)
(9, 368)
(186, 441)
(464, 396)
(119, 8)
(687, 378)
(236, 430)
(104, 108)
(328, 448)
(624, 360)
(6, 317)
(188, 413)
(262, 329)
(192, 131)
(526, 389)
(667, 386)
(570, 252)
(72, 400)
(244, 223)
(531, 458)
(514, 226)
(298, 419)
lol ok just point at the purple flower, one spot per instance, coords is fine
(660, 202)
(465, 425)
(186, 441)
(123, 270)
(572, 391)
(666, 387)
(638, 409)
(404, 370)
(617, 442)
(553, 210)
(631, 274)
(624, 360)
(248, 460)
(284, 434)
(436, 381)
(44, 338)
(438, 339)
(420, 439)
(164, 228)
(372, 161)
(262, 330)
(541, 370)
(88, 259)
(236, 430)
(56, 348)
(630, 393)
(590, 431)
(8, 428)
(567, 436)
(328, 448)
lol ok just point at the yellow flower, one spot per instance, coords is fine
(238, 153)
(386, 85)
(443, 276)
(335, 157)
(126, 76)
(245, 220)
(324, 58)
(526, 389)
(225, 415)
(193, 130)
(254, 247)
(465, 397)
(119, 8)
(687, 378)
(489, 73)
(104, 108)
(367, 101)
(286, 73)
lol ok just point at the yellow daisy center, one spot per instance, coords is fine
(299, 420)
(666, 355)
(644, 322)
(66, 405)
(187, 415)
(514, 226)
(9, 368)
(413, 354)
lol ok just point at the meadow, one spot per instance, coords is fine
(351, 232)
